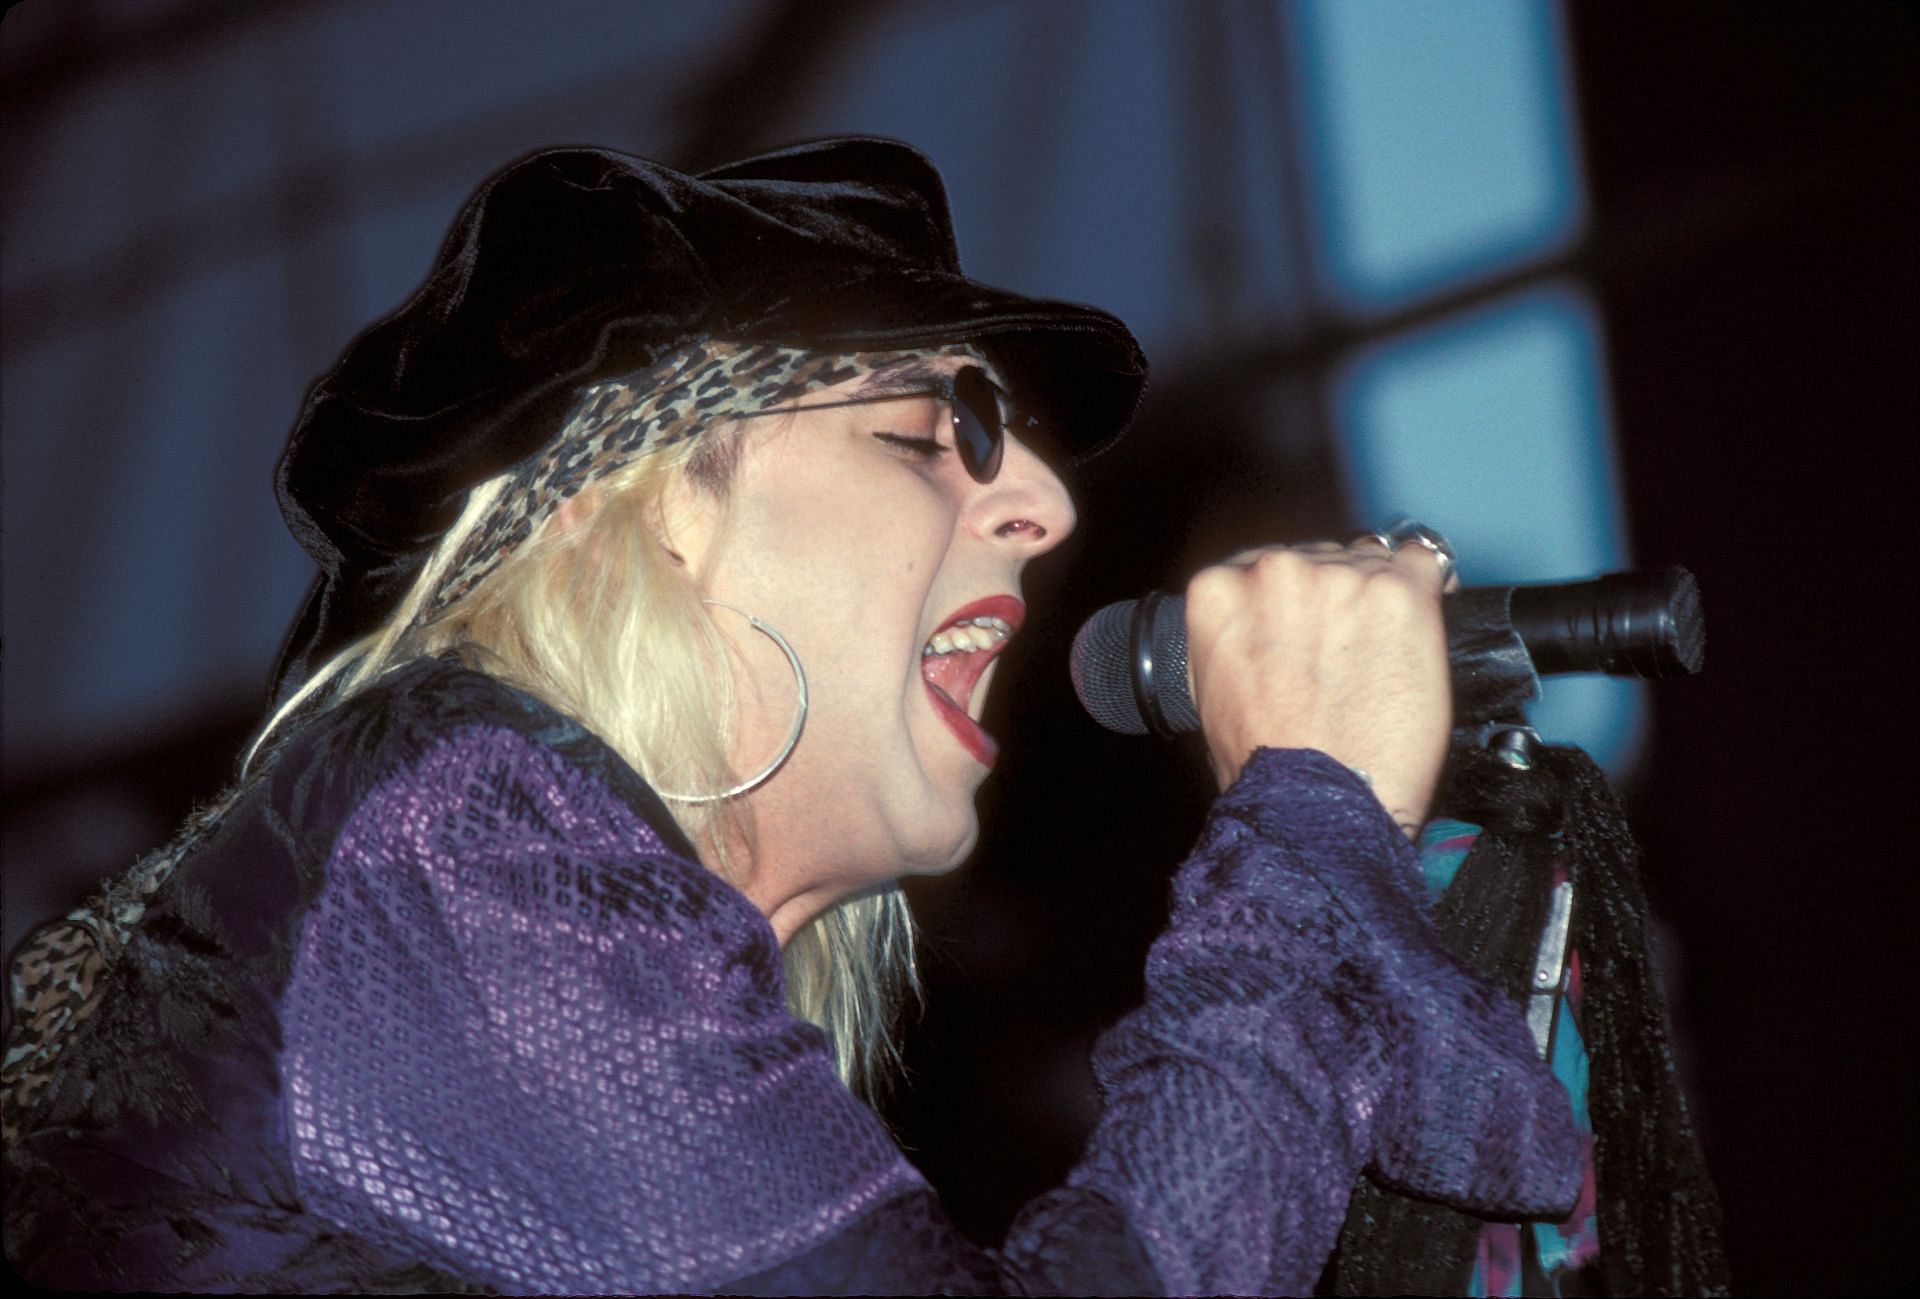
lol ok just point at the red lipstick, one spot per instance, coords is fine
(955, 657)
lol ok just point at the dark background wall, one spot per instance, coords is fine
(1749, 179)
(1754, 168)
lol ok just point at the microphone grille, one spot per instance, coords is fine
(1689, 621)
(1170, 666)
(1102, 669)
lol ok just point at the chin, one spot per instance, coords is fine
(936, 853)
(933, 816)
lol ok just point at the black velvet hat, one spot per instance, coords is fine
(573, 266)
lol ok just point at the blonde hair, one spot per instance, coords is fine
(592, 618)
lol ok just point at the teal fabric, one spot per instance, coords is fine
(1552, 1251)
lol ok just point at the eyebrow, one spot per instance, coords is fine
(907, 376)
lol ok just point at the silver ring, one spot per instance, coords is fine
(1404, 529)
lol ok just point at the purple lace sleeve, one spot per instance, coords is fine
(526, 1044)
(1303, 1024)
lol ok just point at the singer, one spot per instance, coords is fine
(551, 934)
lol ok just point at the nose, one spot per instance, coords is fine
(1026, 505)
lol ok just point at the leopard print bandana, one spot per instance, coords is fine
(616, 422)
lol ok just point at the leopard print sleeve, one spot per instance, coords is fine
(60, 972)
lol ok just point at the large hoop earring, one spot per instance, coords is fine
(793, 734)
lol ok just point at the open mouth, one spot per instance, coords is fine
(955, 658)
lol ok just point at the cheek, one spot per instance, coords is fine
(861, 562)
(847, 551)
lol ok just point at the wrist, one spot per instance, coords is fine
(1408, 823)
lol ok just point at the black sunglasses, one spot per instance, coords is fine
(979, 426)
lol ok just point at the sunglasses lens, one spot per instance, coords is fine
(978, 430)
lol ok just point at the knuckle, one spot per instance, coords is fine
(1390, 589)
(1275, 567)
(1343, 582)
(1209, 587)
(1211, 594)
(1416, 558)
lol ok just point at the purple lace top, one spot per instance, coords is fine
(446, 1002)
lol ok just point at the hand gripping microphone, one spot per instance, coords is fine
(1129, 661)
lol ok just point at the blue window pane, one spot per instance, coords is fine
(1493, 428)
(1438, 141)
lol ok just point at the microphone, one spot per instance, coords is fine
(1129, 660)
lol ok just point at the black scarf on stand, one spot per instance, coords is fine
(1658, 1213)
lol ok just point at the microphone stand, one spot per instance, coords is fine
(1551, 881)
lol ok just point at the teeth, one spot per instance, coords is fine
(968, 635)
